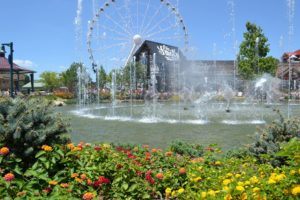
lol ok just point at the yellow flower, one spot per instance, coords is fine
(292, 172)
(247, 183)
(241, 183)
(197, 179)
(229, 174)
(280, 177)
(256, 189)
(47, 148)
(70, 146)
(226, 181)
(174, 193)
(296, 190)
(52, 182)
(254, 180)
(226, 188)
(211, 193)
(218, 163)
(237, 176)
(271, 181)
(180, 191)
(240, 188)
(244, 196)
(228, 197)
(203, 194)
(106, 146)
(168, 191)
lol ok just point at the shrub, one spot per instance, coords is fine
(26, 125)
(64, 95)
(268, 140)
(185, 148)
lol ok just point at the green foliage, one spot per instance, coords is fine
(26, 125)
(252, 58)
(102, 77)
(131, 172)
(69, 77)
(185, 148)
(291, 150)
(268, 140)
(51, 80)
(140, 71)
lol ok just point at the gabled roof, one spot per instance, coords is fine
(153, 46)
(5, 66)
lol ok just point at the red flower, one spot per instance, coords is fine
(149, 178)
(97, 148)
(9, 177)
(103, 180)
(47, 190)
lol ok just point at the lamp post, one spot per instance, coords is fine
(10, 61)
(257, 53)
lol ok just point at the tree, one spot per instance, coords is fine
(252, 58)
(51, 80)
(69, 77)
(102, 77)
(140, 71)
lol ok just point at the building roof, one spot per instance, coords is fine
(5, 66)
(37, 84)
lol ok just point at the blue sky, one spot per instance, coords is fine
(43, 31)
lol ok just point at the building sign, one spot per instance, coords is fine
(168, 53)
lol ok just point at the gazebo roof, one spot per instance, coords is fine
(5, 66)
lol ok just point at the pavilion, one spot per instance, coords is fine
(18, 75)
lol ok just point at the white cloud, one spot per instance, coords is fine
(25, 63)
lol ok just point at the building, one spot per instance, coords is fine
(172, 71)
(18, 75)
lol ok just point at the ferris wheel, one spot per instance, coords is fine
(119, 27)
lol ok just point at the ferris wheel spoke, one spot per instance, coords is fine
(168, 38)
(117, 24)
(113, 38)
(158, 23)
(161, 31)
(124, 21)
(146, 14)
(152, 18)
(111, 46)
(122, 34)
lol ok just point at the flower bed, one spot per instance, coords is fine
(105, 171)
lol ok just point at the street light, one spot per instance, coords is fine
(11, 63)
(257, 40)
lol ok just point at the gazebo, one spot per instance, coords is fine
(18, 74)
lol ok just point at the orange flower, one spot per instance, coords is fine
(4, 151)
(74, 175)
(64, 185)
(78, 180)
(9, 177)
(88, 196)
(169, 153)
(70, 146)
(89, 182)
(52, 182)
(47, 148)
(160, 176)
(154, 150)
(182, 170)
(83, 176)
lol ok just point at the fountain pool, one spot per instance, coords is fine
(208, 125)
